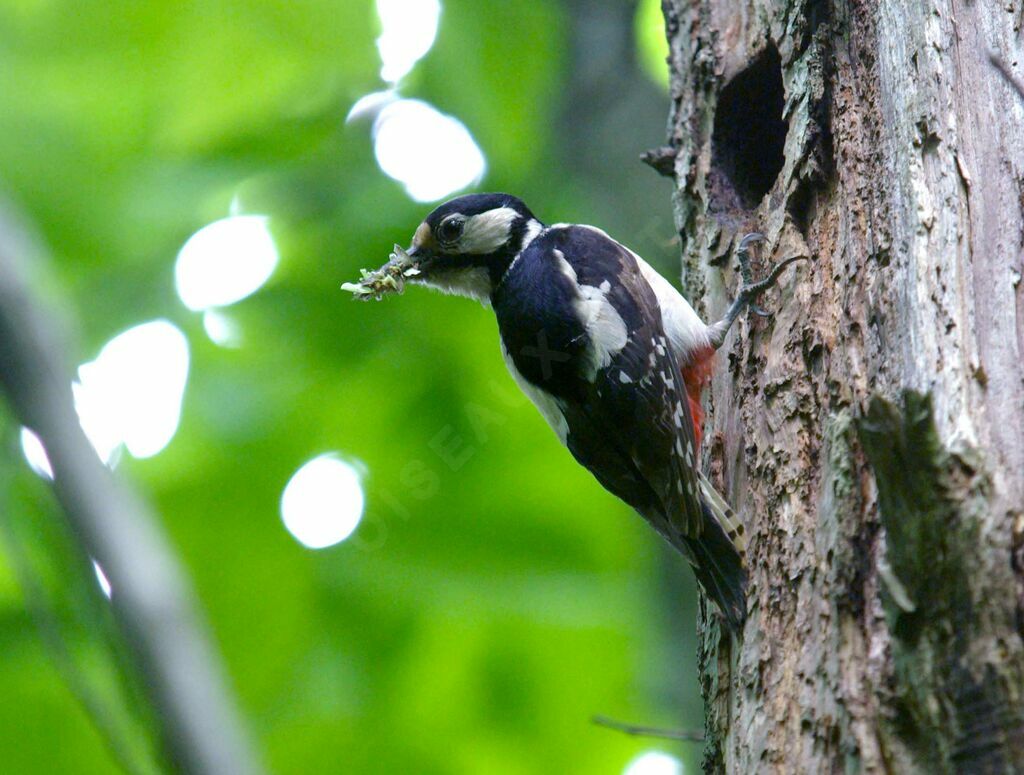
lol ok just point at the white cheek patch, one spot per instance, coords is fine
(487, 232)
(606, 330)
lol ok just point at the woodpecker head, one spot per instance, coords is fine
(466, 245)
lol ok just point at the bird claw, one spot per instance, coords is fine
(750, 289)
(743, 256)
(754, 236)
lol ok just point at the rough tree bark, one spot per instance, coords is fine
(872, 433)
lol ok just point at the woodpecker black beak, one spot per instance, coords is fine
(423, 259)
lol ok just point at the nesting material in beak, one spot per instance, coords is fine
(391, 278)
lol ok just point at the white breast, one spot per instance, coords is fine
(545, 402)
(686, 332)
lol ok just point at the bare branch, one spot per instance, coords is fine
(153, 602)
(641, 731)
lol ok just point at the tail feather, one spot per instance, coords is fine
(718, 557)
(723, 514)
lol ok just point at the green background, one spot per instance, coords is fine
(479, 617)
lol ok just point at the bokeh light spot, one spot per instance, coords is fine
(221, 329)
(132, 393)
(408, 30)
(370, 105)
(323, 502)
(430, 153)
(654, 763)
(225, 261)
(102, 579)
(35, 453)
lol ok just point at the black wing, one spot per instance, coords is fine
(639, 400)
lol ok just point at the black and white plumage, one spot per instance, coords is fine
(605, 348)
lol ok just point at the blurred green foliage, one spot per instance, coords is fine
(651, 41)
(482, 613)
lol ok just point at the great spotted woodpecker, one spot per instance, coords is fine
(612, 356)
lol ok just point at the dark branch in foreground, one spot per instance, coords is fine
(641, 731)
(153, 602)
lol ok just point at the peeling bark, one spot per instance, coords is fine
(872, 432)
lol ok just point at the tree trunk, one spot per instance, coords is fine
(871, 433)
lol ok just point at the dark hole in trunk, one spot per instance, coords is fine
(749, 133)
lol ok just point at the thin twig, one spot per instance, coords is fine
(641, 731)
(153, 601)
(1004, 70)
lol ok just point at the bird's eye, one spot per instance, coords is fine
(450, 229)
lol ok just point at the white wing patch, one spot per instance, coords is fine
(686, 332)
(606, 330)
(565, 267)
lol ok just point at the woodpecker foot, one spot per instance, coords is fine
(749, 290)
(743, 257)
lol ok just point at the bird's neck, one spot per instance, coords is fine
(498, 266)
(524, 231)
